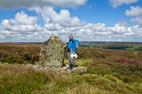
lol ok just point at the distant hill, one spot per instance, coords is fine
(109, 72)
(135, 46)
(113, 45)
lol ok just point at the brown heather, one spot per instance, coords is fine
(109, 72)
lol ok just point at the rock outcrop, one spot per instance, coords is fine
(58, 70)
(52, 52)
(52, 58)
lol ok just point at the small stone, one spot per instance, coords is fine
(80, 69)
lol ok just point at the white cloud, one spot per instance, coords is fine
(21, 27)
(119, 29)
(135, 13)
(22, 23)
(116, 3)
(22, 18)
(25, 28)
(40, 3)
(63, 17)
(84, 31)
(137, 20)
(58, 23)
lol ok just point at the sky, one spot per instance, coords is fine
(86, 20)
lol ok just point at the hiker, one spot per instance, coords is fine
(71, 45)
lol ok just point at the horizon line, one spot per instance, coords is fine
(86, 41)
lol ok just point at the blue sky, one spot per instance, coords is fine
(107, 18)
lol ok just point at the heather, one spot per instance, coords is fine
(109, 72)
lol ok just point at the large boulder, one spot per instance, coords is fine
(52, 52)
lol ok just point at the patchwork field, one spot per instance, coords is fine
(109, 72)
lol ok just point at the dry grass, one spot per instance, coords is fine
(16, 79)
(25, 45)
(109, 72)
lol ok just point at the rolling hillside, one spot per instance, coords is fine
(109, 72)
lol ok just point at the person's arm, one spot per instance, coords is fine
(66, 45)
(74, 50)
(77, 43)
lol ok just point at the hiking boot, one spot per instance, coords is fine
(75, 65)
(63, 65)
(69, 68)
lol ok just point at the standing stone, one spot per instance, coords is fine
(52, 52)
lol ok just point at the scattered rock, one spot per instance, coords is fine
(52, 58)
(58, 70)
(80, 69)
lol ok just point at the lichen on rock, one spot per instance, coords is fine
(52, 52)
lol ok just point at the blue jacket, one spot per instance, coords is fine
(72, 45)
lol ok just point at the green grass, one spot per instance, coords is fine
(106, 74)
(100, 79)
(116, 46)
(19, 80)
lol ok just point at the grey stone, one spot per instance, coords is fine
(52, 52)
(58, 70)
(80, 69)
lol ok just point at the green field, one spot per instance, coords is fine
(109, 72)
(113, 45)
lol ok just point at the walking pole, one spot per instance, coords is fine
(63, 64)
